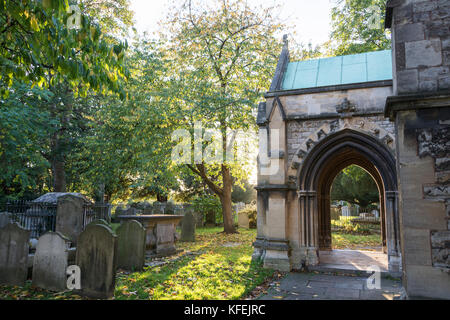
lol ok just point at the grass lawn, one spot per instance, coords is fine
(216, 266)
(341, 240)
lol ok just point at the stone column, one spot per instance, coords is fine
(393, 232)
(277, 244)
(309, 238)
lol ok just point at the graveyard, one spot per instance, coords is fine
(215, 266)
(225, 150)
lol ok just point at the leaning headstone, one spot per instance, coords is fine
(188, 227)
(243, 221)
(69, 216)
(5, 218)
(131, 246)
(96, 257)
(50, 262)
(14, 248)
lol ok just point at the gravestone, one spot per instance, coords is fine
(96, 257)
(50, 262)
(100, 221)
(165, 238)
(69, 216)
(131, 246)
(14, 249)
(119, 211)
(188, 227)
(243, 220)
(130, 212)
(5, 218)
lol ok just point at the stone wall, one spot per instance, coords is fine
(423, 157)
(421, 38)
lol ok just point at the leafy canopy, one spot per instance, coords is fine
(358, 27)
(38, 45)
(356, 186)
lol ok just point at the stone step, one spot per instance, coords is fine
(348, 269)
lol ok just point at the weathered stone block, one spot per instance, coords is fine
(416, 246)
(14, 247)
(407, 81)
(50, 262)
(424, 6)
(426, 281)
(425, 53)
(410, 32)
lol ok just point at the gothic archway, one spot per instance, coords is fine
(317, 172)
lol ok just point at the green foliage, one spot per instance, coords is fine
(37, 46)
(357, 27)
(356, 186)
(25, 124)
(206, 204)
(346, 226)
(245, 194)
(223, 54)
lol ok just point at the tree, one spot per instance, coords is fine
(357, 27)
(127, 147)
(355, 186)
(224, 53)
(38, 45)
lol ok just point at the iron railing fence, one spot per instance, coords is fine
(40, 217)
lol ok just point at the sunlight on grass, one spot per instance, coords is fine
(216, 266)
(215, 272)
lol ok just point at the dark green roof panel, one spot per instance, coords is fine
(355, 68)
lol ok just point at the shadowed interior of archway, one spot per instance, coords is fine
(345, 158)
(355, 207)
(346, 258)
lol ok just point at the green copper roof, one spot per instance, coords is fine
(355, 68)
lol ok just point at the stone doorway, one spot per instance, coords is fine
(316, 175)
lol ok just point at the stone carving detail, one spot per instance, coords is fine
(434, 143)
(346, 107)
(440, 249)
(328, 128)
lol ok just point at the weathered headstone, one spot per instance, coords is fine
(14, 248)
(188, 227)
(158, 208)
(130, 211)
(131, 246)
(50, 262)
(165, 238)
(5, 218)
(96, 257)
(69, 216)
(243, 220)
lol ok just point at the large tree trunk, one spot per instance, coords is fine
(225, 199)
(59, 176)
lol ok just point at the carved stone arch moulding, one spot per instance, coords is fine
(358, 125)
